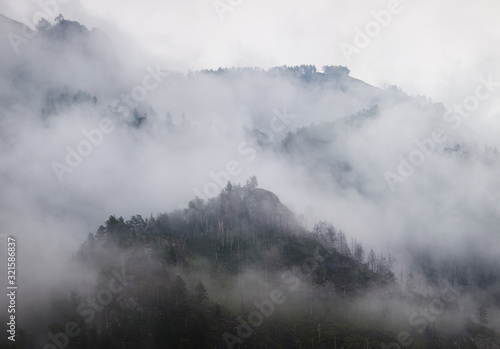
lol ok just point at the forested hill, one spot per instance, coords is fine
(237, 271)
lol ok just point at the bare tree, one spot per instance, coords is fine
(372, 260)
(359, 252)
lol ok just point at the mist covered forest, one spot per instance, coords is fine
(291, 206)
